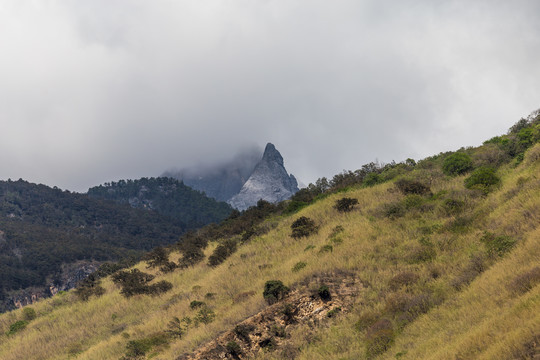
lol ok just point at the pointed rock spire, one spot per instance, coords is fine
(269, 181)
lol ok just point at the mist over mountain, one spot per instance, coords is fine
(222, 180)
(269, 181)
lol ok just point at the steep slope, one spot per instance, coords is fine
(438, 261)
(269, 181)
(166, 196)
(50, 238)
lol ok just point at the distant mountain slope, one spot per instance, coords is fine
(220, 181)
(269, 181)
(166, 196)
(42, 229)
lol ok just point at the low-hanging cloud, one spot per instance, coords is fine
(93, 91)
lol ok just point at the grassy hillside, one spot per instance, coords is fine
(436, 260)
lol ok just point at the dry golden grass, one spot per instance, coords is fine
(483, 320)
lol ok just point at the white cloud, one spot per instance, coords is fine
(101, 90)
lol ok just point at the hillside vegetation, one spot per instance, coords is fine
(167, 196)
(438, 259)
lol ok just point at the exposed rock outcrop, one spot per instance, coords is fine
(270, 329)
(269, 181)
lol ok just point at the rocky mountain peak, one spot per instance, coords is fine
(269, 181)
(272, 155)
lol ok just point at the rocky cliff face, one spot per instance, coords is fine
(269, 181)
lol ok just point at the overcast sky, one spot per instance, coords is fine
(93, 91)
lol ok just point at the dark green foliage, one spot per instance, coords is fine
(222, 252)
(136, 349)
(457, 164)
(326, 248)
(159, 287)
(345, 204)
(178, 328)
(407, 187)
(309, 247)
(526, 281)
(483, 178)
(372, 179)
(298, 266)
(497, 245)
(334, 312)
(191, 245)
(243, 331)
(29, 313)
(324, 293)
(168, 197)
(413, 201)
(379, 338)
(45, 228)
(195, 304)
(135, 282)
(274, 290)
(91, 286)
(233, 348)
(289, 312)
(204, 316)
(16, 327)
(159, 257)
(303, 227)
(453, 206)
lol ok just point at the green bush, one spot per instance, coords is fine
(178, 328)
(222, 252)
(334, 312)
(274, 290)
(324, 293)
(483, 178)
(196, 304)
(204, 316)
(136, 349)
(497, 245)
(135, 282)
(408, 187)
(16, 327)
(345, 204)
(298, 266)
(303, 227)
(326, 248)
(457, 164)
(159, 287)
(453, 206)
(89, 287)
(29, 314)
